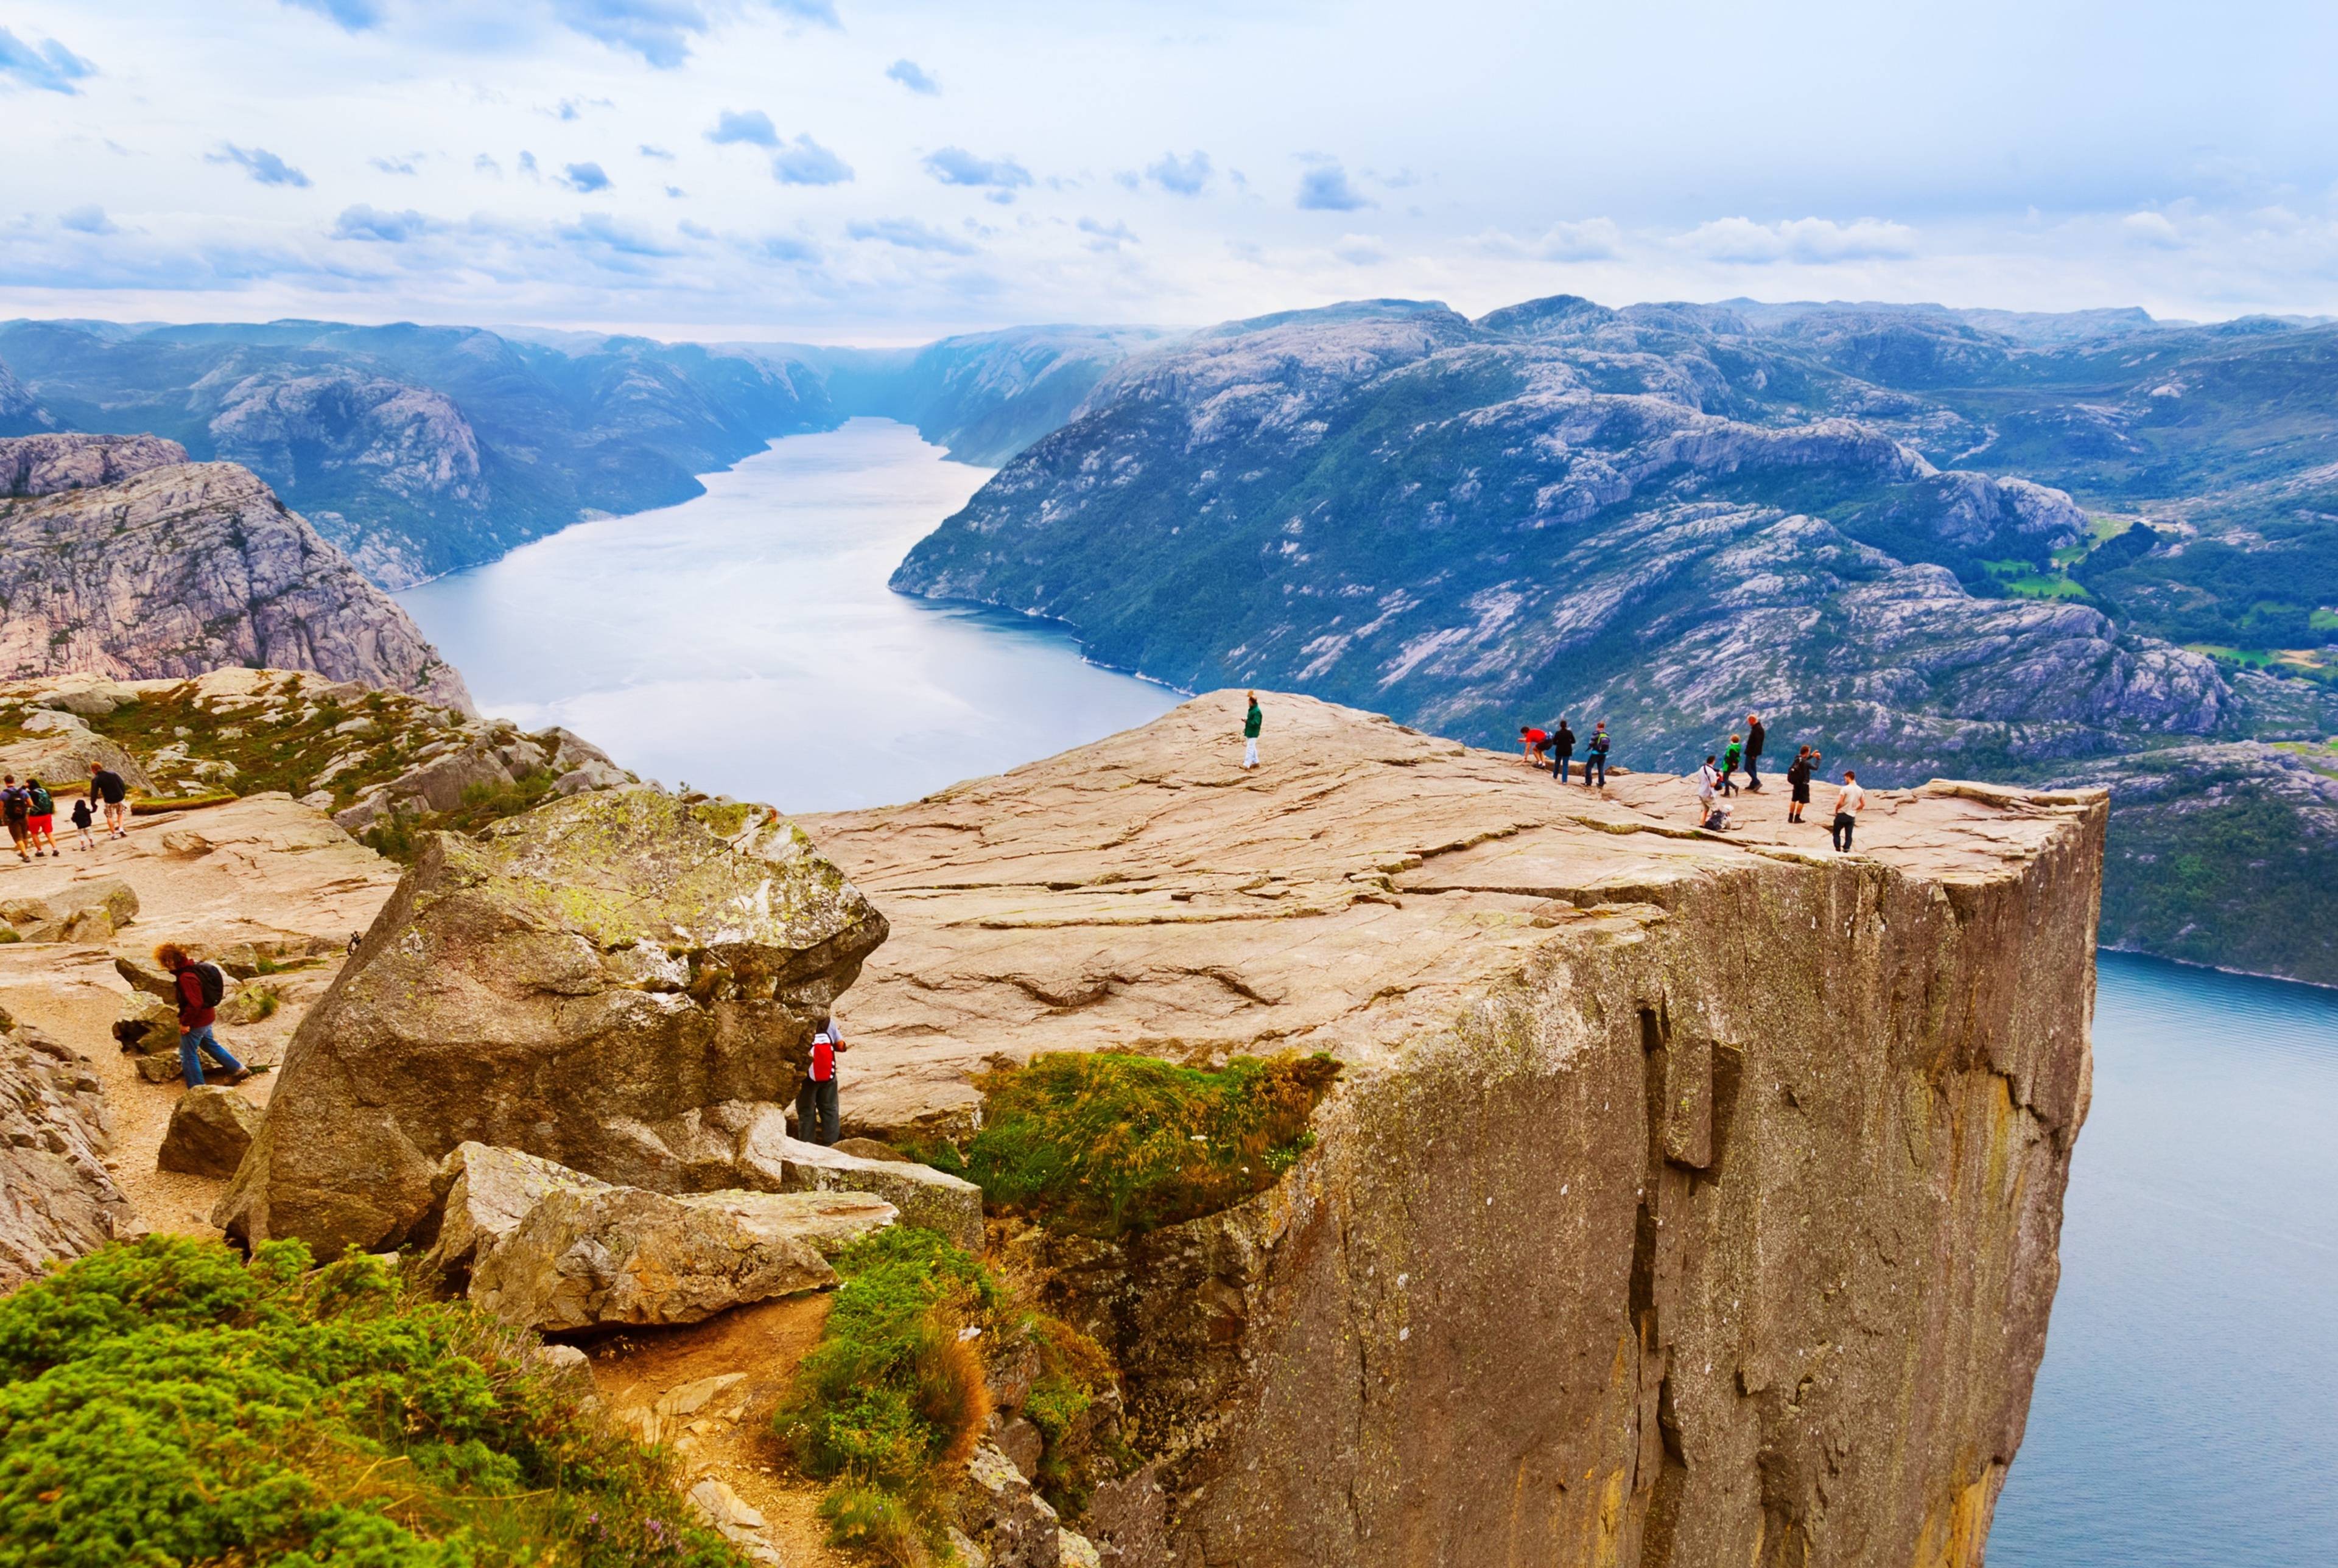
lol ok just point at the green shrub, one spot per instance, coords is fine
(163, 1404)
(1109, 1143)
(891, 1401)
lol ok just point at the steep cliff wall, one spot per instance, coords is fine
(118, 556)
(1687, 1200)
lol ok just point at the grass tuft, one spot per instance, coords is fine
(1107, 1143)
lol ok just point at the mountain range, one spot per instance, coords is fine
(2090, 547)
(2104, 551)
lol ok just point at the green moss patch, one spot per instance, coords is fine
(162, 1403)
(1107, 1143)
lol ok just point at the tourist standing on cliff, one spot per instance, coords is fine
(1708, 785)
(16, 808)
(818, 1118)
(107, 785)
(198, 996)
(1798, 783)
(1848, 802)
(1754, 736)
(1562, 752)
(1252, 722)
(1731, 755)
(1594, 757)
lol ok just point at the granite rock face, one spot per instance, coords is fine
(114, 562)
(563, 985)
(211, 1131)
(550, 1249)
(1686, 1198)
(57, 1199)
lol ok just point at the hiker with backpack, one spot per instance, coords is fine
(107, 786)
(1594, 757)
(1562, 751)
(199, 987)
(16, 809)
(1731, 755)
(817, 1118)
(41, 821)
(1798, 783)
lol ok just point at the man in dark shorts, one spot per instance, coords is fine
(1798, 778)
(108, 787)
(16, 809)
(1531, 743)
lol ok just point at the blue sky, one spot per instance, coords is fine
(857, 170)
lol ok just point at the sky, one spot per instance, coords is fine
(889, 170)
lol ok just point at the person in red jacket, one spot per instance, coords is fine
(817, 1118)
(196, 1016)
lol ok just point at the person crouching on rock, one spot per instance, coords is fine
(200, 986)
(817, 1117)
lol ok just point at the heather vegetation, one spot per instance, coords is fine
(163, 1402)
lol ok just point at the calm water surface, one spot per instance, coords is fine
(2186, 1415)
(745, 641)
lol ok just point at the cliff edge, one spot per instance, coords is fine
(1686, 1198)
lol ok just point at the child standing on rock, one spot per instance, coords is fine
(82, 817)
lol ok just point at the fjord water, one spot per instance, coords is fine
(2185, 1413)
(745, 641)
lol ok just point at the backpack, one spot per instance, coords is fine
(42, 805)
(213, 983)
(1599, 743)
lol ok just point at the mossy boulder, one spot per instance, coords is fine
(562, 984)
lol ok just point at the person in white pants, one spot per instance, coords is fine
(1252, 722)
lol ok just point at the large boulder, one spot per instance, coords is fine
(210, 1130)
(89, 912)
(553, 1249)
(57, 1199)
(562, 985)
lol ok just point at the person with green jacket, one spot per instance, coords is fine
(1732, 756)
(1252, 722)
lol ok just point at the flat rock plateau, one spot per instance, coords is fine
(1687, 1198)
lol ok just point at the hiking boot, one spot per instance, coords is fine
(232, 1078)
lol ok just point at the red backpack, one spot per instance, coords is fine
(823, 1057)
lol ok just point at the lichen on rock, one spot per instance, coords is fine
(564, 984)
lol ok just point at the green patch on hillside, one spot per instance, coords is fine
(891, 1403)
(400, 836)
(2222, 878)
(163, 1402)
(2023, 580)
(1107, 1143)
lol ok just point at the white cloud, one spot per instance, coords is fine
(913, 76)
(2152, 228)
(1803, 240)
(1325, 189)
(48, 65)
(1359, 250)
(805, 162)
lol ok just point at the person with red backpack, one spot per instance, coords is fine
(817, 1118)
(200, 989)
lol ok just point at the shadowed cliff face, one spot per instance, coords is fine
(119, 557)
(1686, 1199)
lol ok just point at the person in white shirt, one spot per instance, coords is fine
(1848, 801)
(1708, 781)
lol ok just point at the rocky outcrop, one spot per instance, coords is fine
(211, 1131)
(114, 562)
(566, 985)
(483, 755)
(21, 412)
(57, 1199)
(545, 1248)
(89, 911)
(1685, 1199)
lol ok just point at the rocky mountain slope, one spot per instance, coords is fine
(1667, 516)
(1684, 1199)
(984, 396)
(117, 556)
(422, 449)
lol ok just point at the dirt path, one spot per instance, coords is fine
(666, 1384)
